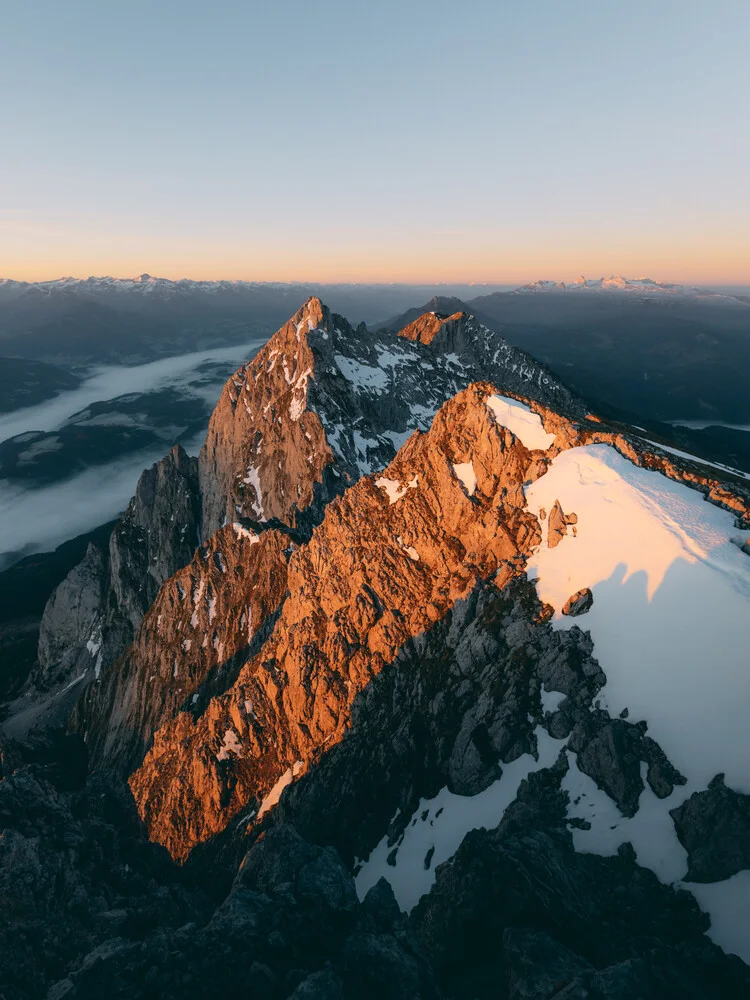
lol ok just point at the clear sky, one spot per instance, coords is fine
(487, 140)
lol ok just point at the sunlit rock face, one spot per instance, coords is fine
(265, 450)
(204, 620)
(390, 558)
(323, 404)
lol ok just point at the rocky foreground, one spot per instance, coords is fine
(316, 647)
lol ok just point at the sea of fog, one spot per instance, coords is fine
(38, 519)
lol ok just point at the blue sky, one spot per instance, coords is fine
(495, 141)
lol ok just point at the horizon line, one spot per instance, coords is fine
(292, 282)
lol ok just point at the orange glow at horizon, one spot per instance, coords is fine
(686, 271)
(35, 251)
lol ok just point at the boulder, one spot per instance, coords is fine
(579, 603)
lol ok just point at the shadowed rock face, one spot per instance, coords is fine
(154, 538)
(204, 618)
(518, 906)
(92, 910)
(93, 614)
(69, 617)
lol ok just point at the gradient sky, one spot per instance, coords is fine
(487, 140)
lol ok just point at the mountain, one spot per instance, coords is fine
(639, 350)
(616, 283)
(430, 680)
(95, 320)
(24, 383)
(440, 305)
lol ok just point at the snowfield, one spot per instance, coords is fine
(671, 602)
(519, 419)
(669, 621)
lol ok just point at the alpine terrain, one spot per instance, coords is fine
(424, 680)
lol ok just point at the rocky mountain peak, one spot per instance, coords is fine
(389, 559)
(265, 449)
(323, 403)
(426, 327)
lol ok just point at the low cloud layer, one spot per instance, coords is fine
(112, 381)
(38, 520)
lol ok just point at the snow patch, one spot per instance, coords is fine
(360, 375)
(230, 745)
(465, 473)
(243, 532)
(551, 700)
(521, 421)
(299, 396)
(252, 478)
(728, 905)
(94, 647)
(408, 549)
(275, 794)
(394, 489)
(438, 825)
(671, 602)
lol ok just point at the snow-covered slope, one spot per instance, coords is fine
(671, 590)
(670, 581)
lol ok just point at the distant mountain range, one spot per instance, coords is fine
(617, 283)
(84, 321)
(146, 286)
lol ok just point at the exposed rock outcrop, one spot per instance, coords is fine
(611, 751)
(69, 619)
(558, 524)
(191, 643)
(714, 828)
(579, 603)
